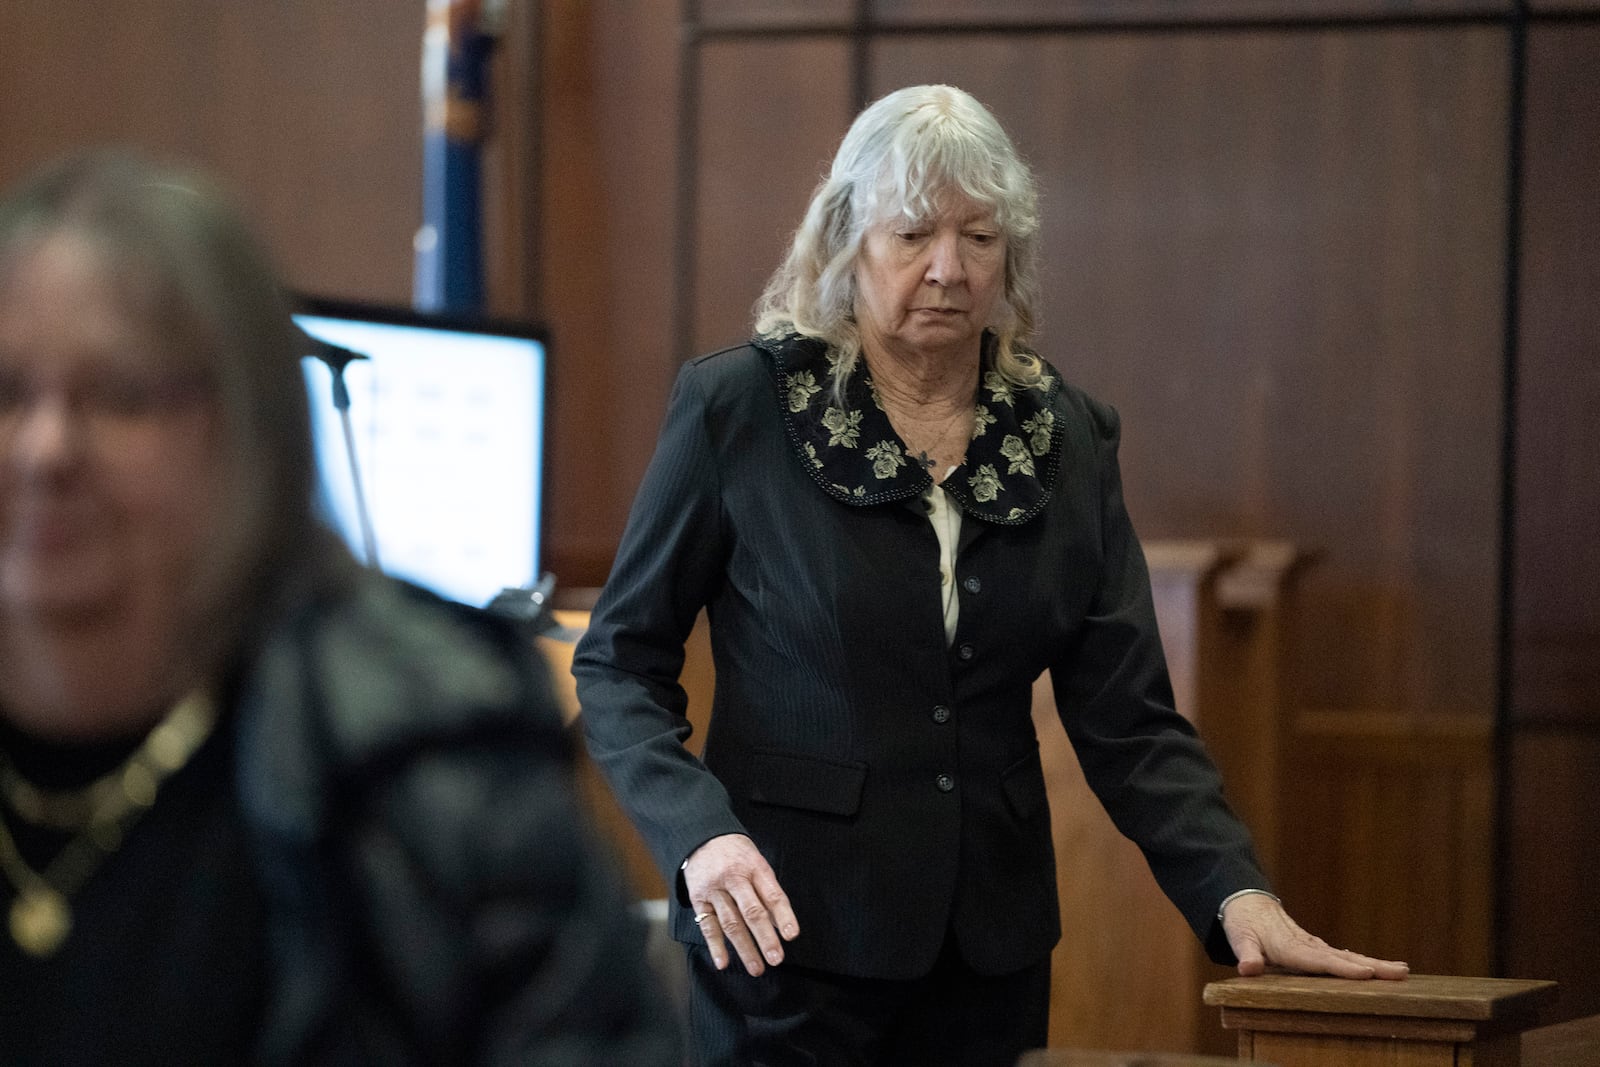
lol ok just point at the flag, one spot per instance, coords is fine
(456, 43)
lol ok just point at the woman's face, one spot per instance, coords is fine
(930, 288)
(111, 467)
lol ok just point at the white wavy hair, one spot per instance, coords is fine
(899, 158)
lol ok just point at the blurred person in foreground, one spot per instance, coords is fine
(257, 803)
(898, 515)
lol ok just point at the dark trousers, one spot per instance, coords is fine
(797, 1016)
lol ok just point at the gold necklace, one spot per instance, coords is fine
(99, 814)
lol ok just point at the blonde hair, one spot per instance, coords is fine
(898, 159)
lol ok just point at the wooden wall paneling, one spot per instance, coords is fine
(1556, 652)
(1280, 254)
(324, 131)
(1550, 916)
(69, 81)
(1552, 913)
(1388, 842)
(772, 114)
(310, 112)
(1164, 12)
(608, 162)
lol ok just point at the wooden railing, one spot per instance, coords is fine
(1128, 973)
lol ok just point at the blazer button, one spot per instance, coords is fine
(973, 584)
(941, 714)
(966, 652)
(945, 783)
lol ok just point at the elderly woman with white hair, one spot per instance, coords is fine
(898, 515)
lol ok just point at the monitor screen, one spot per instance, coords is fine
(447, 429)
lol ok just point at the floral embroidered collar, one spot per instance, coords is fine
(854, 454)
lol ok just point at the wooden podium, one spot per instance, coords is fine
(1424, 1021)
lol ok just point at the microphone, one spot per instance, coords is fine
(337, 358)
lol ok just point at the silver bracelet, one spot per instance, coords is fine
(1231, 897)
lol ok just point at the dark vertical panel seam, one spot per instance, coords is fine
(685, 252)
(861, 57)
(533, 180)
(1505, 621)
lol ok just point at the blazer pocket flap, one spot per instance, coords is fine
(1023, 782)
(807, 782)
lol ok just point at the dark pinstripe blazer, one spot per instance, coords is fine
(893, 781)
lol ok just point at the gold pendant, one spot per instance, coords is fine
(40, 921)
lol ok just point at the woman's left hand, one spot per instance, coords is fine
(1263, 936)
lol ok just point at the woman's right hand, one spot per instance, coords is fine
(737, 900)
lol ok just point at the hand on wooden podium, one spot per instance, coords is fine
(1265, 938)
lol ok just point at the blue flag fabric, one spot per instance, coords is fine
(449, 246)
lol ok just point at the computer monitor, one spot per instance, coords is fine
(447, 420)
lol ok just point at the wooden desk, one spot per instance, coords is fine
(1424, 1021)
(1066, 1057)
(698, 680)
(558, 652)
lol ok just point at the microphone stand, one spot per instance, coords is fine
(337, 358)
